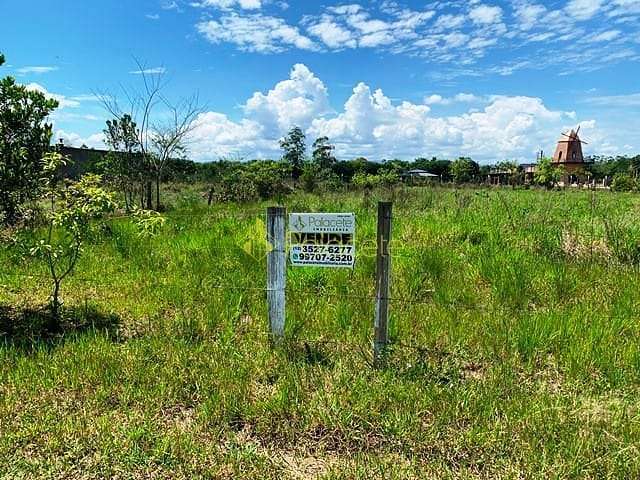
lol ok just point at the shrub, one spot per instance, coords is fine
(623, 182)
(368, 181)
(315, 178)
(69, 222)
(464, 170)
(24, 141)
(256, 181)
(547, 174)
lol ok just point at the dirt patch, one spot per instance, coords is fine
(301, 466)
(577, 248)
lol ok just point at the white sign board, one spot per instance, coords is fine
(322, 239)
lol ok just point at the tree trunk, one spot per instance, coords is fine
(54, 321)
(158, 192)
(149, 194)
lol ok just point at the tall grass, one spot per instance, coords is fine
(515, 351)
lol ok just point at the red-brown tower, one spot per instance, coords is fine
(569, 149)
(569, 156)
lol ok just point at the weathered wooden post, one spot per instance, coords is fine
(383, 270)
(276, 270)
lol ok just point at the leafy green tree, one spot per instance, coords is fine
(25, 138)
(125, 164)
(366, 181)
(69, 221)
(315, 178)
(253, 181)
(624, 182)
(464, 170)
(269, 178)
(323, 153)
(512, 168)
(634, 166)
(547, 174)
(294, 149)
(310, 176)
(394, 166)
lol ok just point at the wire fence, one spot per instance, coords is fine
(316, 292)
(295, 294)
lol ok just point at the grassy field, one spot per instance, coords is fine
(516, 347)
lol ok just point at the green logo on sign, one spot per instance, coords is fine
(299, 224)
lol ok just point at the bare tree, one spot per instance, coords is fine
(158, 140)
(169, 139)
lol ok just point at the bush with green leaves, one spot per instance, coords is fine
(259, 180)
(270, 178)
(464, 170)
(72, 216)
(25, 138)
(234, 186)
(623, 182)
(315, 178)
(366, 181)
(547, 174)
(148, 222)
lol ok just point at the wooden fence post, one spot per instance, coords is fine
(276, 270)
(383, 270)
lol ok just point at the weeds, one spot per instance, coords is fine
(515, 347)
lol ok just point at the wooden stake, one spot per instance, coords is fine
(276, 270)
(383, 270)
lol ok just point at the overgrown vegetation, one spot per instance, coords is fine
(24, 140)
(515, 342)
(522, 362)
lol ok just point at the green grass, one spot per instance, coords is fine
(516, 347)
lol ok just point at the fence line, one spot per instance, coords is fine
(228, 286)
(275, 292)
(212, 215)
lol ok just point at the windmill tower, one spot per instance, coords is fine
(569, 156)
(569, 149)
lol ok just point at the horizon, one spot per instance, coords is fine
(489, 80)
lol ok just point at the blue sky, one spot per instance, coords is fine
(489, 79)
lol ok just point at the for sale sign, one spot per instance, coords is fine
(322, 239)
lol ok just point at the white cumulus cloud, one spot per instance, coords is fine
(255, 33)
(225, 4)
(373, 125)
(296, 101)
(485, 14)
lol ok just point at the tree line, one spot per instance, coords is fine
(147, 138)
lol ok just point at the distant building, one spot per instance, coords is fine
(529, 170)
(569, 156)
(419, 176)
(79, 160)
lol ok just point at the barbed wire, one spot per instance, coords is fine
(314, 293)
(206, 214)
(364, 251)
